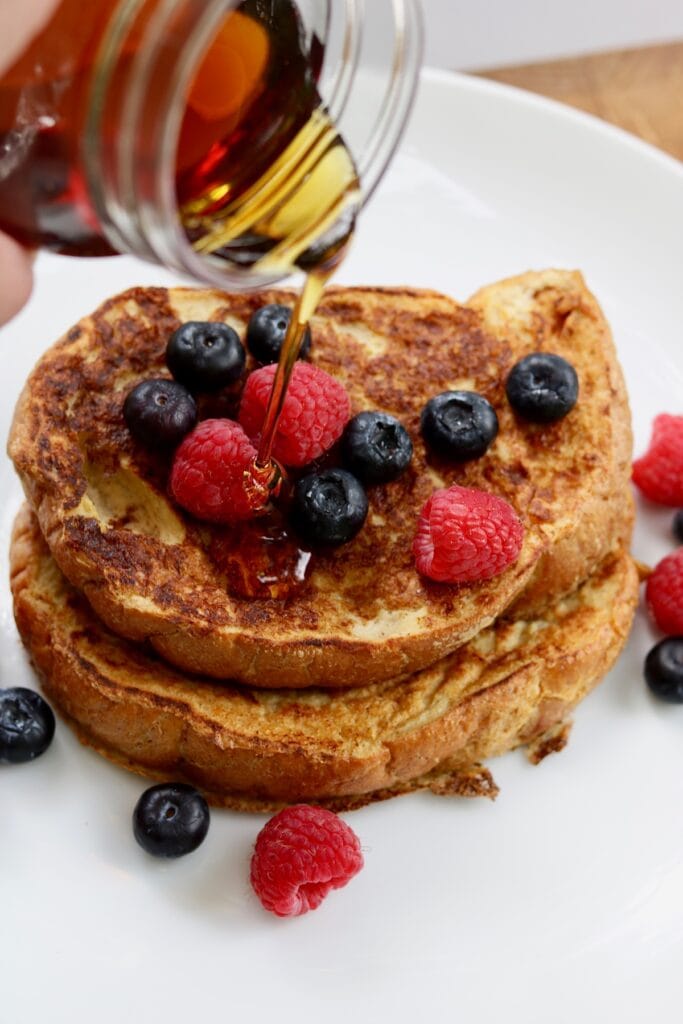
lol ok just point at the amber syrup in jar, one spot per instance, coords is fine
(254, 144)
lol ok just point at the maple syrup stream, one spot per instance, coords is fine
(306, 209)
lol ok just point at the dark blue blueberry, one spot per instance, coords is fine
(542, 387)
(27, 725)
(205, 356)
(376, 447)
(160, 412)
(329, 507)
(171, 819)
(664, 670)
(678, 525)
(266, 332)
(459, 425)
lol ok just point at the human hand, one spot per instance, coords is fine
(19, 22)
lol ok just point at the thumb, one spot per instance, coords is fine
(16, 277)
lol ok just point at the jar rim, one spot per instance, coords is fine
(139, 209)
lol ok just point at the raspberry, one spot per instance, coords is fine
(314, 413)
(664, 594)
(465, 535)
(659, 473)
(300, 855)
(207, 477)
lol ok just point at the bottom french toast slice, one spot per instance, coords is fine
(515, 683)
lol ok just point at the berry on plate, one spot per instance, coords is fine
(664, 670)
(205, 356)
(314, 414)
(300, 855)
(266, 332)
(465, 535)
(659, 473)
(664, 593)
(171, 819)
(159, 412)
(459, 425)
(328, 507)
(208, 472)
(542, 387)
(27, 725)
(376, 447)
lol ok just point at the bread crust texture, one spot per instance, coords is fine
(515, 683)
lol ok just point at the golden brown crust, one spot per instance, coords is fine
(363, 614)
(256, 749)
(537, 310)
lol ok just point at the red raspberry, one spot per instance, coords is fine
(464, 535)
(659, 473)
(300, 855)
(314, 414)
(207, 477)
(664, 594)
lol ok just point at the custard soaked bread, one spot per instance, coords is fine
(515, 683)
(360, 613)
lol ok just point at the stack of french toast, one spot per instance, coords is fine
(264, 673)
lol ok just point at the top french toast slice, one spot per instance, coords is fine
(361, 613)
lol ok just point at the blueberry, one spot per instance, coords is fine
(266, 331)
(376, 447)
(159, 412)
(205, 356)
(678, 525)
(27, 725)
(542, 387)
(171, 819)
(664, 669)
(459, 425)
(329, 507)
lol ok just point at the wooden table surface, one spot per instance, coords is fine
(640, 90)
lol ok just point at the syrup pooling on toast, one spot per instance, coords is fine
(264, 561)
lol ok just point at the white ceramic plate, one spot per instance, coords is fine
(562, 901)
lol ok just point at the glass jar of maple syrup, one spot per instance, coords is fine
(211, 136)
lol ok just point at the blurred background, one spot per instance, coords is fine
(484, 34)
(621, 60)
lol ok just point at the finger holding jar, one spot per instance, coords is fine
(19, 22)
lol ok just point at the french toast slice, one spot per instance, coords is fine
(361, 613)
(515, 683)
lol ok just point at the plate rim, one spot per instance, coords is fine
(476, 85)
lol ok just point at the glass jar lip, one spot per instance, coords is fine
(155, 230)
